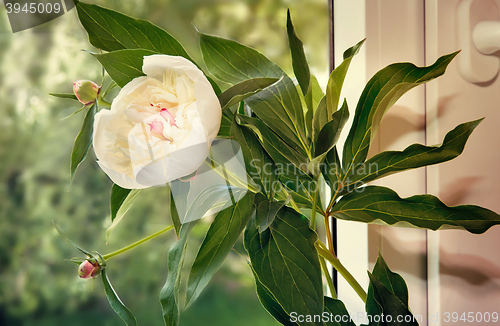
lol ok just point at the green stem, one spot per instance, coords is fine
(101, 102)
(289, 196)
(332, 200)
(325, 253)
(111, 85)
(230, 177)
(314, 208)
(329, 235)
(135, 244)
(329, 280)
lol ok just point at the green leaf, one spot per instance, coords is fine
(225, 127)
(259, 165)
(116, 303)
(414, 156)
(83, 140)
(316, 92)
(338, 314)
(279, 151)
(329, 136)
(112, 84)
(381, 301)
(337, 77)
(70, 96)
(62, 234)
(223, 233)
(77, 111)
(313, 98)
(111, 31)
(278, 105)
(216, 87)
(372, 203)
(332, 169)
(232, 174)
(265, 211)
(210, 197)
(180, 204)
(117, 197)
(300, 184)
(280, 108)
(270, 303)
(123, 65)
(392, 281)
(320, 118)
(380, 93)
(388, 296)
(232, 62)
(299, 61)
(169, 295)
(286, 262)
(174, 215)
(331, 101)
(120, 202)
(243, 90)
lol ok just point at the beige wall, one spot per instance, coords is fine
(395, 33)
(448, 270)
(469, 265)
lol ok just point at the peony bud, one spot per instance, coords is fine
(89, 269)
(86, 91)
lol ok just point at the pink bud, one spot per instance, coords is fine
(86, 91)
(89, 269)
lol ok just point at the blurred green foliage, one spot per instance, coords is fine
(37, 287)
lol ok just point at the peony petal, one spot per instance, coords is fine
(117, 103)
(101, 138)
(137, 114)
(155, 65)
(173, 166)
(184, 88)
(208, 106)
(101, 142)
(120, 179)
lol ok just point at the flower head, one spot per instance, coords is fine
(160, 126)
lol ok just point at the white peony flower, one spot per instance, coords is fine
(160, 126)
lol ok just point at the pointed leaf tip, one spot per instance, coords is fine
(414, 156)
(352, 51)
(115, 302)
(423, 211)
(380, 93)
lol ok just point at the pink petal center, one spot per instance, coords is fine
(157, 129)
(168, 116)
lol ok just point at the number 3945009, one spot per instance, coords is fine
(33, 8)
(471, 317)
